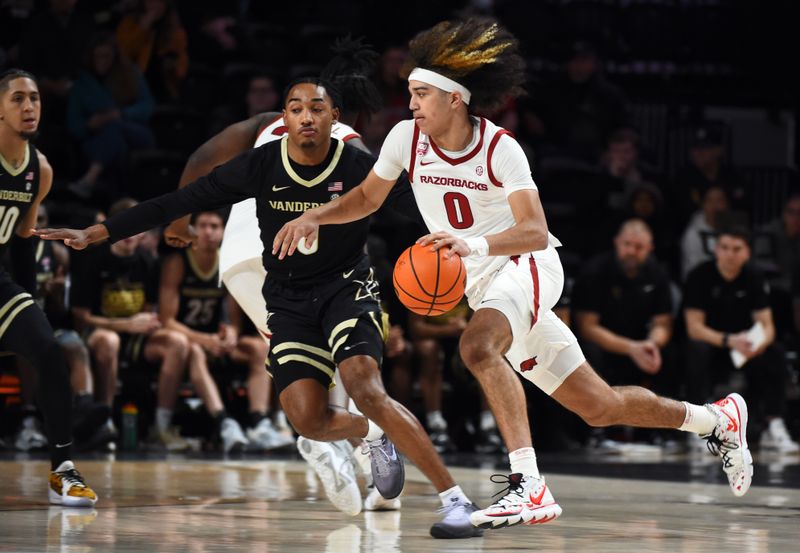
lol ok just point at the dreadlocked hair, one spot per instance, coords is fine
(350, 72)
(476, 53)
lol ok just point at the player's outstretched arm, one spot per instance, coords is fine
(220, 148)
(360, 202)
(74, 238)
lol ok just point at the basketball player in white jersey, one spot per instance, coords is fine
(240, 264)
(474, 189)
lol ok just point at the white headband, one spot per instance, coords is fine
(439, 81)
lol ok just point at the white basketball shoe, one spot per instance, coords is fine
(528, 501)
(729, 441)
(331, 462)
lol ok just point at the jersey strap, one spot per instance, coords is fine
(492, 145)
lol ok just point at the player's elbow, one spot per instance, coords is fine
(536, 236)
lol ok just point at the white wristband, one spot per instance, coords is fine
(477, 246)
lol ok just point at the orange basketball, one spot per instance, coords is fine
(426, 282)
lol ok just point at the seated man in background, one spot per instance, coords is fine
(723, 300)
(623, 311)
(191, 302)
(112, 297)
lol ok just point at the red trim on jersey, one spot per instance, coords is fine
(414, 140)
(351, 136)
(535, 277)
(466, 157)
(492, 145)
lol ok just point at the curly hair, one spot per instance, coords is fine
(477, 53)
(350, 71)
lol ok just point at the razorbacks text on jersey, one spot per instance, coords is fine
(464, 193)
(200, 301)
(242, 239)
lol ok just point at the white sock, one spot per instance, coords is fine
(523, 460)
(163, 418)
(453, 496)
(698, 419)
(374, 432)
(487, 421)
(436, 421)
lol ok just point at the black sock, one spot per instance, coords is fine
(218, 417)
(256, 417)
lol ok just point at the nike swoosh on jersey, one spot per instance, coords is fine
(426, 162)
(274, 189)
(60, 446)
(347, 348)
(348, 273)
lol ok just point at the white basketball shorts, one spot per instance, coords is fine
(525, 290)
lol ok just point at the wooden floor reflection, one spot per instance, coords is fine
(270, 507)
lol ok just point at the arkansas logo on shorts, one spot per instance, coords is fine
(528, 364)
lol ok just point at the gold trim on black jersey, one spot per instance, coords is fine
(319, 178)
(10, 168)
(205, 276)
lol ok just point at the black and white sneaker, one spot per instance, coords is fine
(388, 473)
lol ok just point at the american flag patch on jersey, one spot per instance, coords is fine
(29, 175)
(335, 186)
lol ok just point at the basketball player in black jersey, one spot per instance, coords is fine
(25, 180)
(323, 304)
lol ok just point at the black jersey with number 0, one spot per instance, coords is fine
(18, 189)
(200, 305)
(283, 190)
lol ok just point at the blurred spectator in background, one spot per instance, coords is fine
(392, 87)
(643, 200)
(697, 242)
(113, 293)
(724, 298)
(707, 168)
(262, 96)
(574, 114)
(52, 47)
(777, 252)
(109, 107)
(191, 302)
(154, 39)
(622, 306)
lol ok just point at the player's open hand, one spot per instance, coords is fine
(455, 246)
(179, 233)
(299, 234)
(75, 239)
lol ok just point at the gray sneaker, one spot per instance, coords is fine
(456, 523)
(388, 474)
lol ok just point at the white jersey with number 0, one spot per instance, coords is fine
(463, 193)
(242, 240)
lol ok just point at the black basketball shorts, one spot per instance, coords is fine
(315, 328)
(13, 300)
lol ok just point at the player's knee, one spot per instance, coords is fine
(600, 411)
(177, 343)
(105, 343)
(306, 423)
(476, 354)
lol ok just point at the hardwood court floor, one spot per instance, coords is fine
(205, 506)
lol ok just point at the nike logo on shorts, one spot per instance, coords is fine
(348, 273)
(60, 446)
(351, 346)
